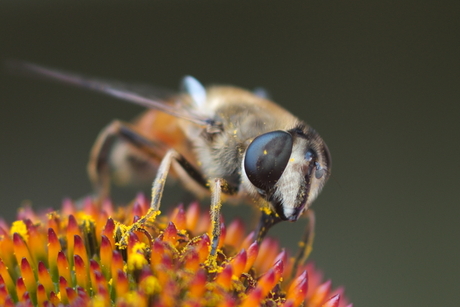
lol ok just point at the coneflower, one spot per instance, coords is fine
(90, 255)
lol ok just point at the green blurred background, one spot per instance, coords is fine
(380, 81)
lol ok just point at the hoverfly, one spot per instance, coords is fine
(219, 139)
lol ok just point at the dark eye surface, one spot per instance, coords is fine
(267, 157)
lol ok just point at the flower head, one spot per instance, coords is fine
(90, 255)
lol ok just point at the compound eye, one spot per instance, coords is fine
(267, 157)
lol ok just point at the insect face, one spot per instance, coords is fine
(288, 169)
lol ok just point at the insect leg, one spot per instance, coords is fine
(98, 166)
(160, 180)
(216, 204)
(306, 245)
(157, 192)
(267, 220)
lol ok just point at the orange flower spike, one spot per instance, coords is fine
(63, 285)
(191, 260)
(122, 285)
(178, 217)
(9, 302)
(20, 248)
(71, 295)
(228, 302)
(100, 279)
(101, 220)
(254, 298)
(281, 256)
(6, 249)
(117, 264)
(340, 291)
(143, 202)
(28, 277)
(170, 234)
(54, 222)
(94, 268)
(68, 207)
(106, 256)
(63, 267)
(25, 300)
(158, 250)
(298, 289)
(54, 299)
(81, 273)
(204, 223)
(202, 247)
(72, 230)
(197, 286)
(102, 288)
(224, 278)
(80, 249)
(296, 283)
(41, 295)
(36, 243)
(169, 294)
(252, 253)
(20, 289)
(44, 278)
(107, 207)
(250, 238)
(288, 303)
(321, 293)
(137, 210)
(7, 280)
(133, 239)
(267, 254)
(267, 282)
(278, 268)
(332, 302)
(165, 271)
(193, 215)
(3, 294)
(223, 234)
(103, 295)
(54, 247)
(109, 230)
(90, 209)
(238, 263)
(235, 233)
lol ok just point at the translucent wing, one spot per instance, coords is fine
(143, 96)
(195, 89)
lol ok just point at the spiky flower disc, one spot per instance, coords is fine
(89, 257)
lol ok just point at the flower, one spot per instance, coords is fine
(93, 254)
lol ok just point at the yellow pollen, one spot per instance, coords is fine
(20, 228)
(136, 259)
(151, 285)
(85, 217)
(265, 152)
(98, 301)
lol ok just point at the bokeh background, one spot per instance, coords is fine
(380, 80)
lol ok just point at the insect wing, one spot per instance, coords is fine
(145, 97)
